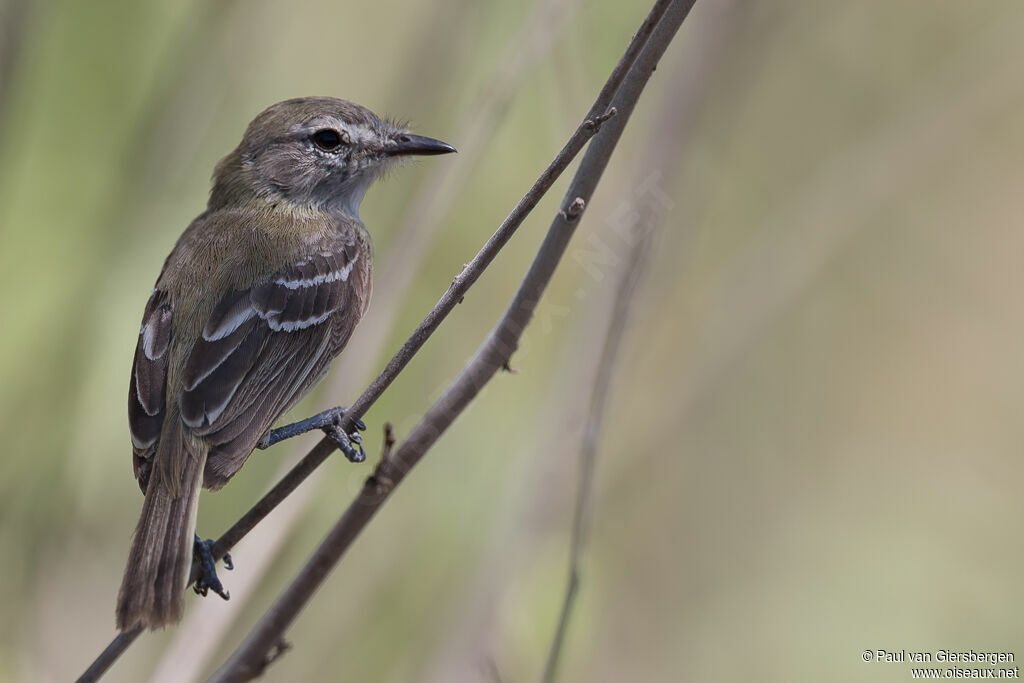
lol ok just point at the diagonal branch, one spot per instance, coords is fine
(250, 659)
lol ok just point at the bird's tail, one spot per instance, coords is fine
(153, 589)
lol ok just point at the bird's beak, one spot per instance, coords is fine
(409, 144)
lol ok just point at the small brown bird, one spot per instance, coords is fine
(260, 293)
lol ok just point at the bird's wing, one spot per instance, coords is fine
(146, 392)
(262, 348)
(265, 346)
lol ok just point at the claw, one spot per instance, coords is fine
(344, 442)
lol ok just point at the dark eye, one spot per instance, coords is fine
(327, 139)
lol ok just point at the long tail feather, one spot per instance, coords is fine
(153, 589)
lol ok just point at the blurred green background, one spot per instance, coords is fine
(813, 446)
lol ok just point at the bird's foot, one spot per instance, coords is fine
(329, 422)
(208, 581)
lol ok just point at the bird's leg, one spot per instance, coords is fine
(207, 580)
(329, 421)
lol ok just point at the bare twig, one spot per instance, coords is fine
(605, 372)
(109, 655)
(389, 442)
(638, 63)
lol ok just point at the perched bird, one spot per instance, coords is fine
(260, 293)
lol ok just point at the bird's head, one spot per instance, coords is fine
(316, 153)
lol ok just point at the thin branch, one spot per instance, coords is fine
(109, 655)
(605, 372)
(652, 40)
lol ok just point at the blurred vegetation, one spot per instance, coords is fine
(814, 444)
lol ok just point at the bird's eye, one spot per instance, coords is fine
(328, 140)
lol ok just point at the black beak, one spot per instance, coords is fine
(408, 144)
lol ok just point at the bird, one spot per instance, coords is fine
(259, 294)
